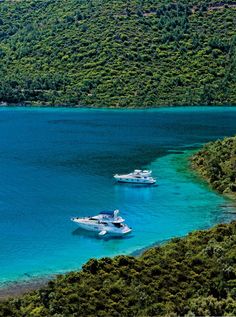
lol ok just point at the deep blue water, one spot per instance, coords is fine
(58, 163)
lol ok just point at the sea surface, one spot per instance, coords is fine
(58, 163)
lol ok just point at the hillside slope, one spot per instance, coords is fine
(192, 276)
(216, 162)
(118, 52)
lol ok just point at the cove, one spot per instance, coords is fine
(58, 163)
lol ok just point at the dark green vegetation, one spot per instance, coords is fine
(195, 275)
(118, 52)
(216, 162)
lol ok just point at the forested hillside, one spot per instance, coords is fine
(216, 162)
(118, 52)
(191, 276)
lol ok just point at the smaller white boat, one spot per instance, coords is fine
(136, 177)
(105, 222)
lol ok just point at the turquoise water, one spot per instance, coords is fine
(58, 163)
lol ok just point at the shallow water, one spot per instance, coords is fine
(58, 163)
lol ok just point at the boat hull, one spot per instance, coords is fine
(135, 181)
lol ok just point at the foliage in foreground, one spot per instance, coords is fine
(216, 162)
(118, 52)
(194, 275)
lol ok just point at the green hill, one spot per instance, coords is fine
(191, 276)
(118, 53)
(216, 162)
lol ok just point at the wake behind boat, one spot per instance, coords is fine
(136, 177)
(105, 222)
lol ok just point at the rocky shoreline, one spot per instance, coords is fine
(79, 106)
(18, 288)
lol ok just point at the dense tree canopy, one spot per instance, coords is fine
(216, 162)
(191, 276)
(118, 52)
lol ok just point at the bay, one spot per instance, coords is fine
(58, 163)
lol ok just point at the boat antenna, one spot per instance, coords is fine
(116, 213)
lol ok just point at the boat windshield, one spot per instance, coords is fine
(117, 225)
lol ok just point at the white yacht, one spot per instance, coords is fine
(105, 222)
(136, 177)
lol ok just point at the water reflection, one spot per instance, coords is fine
(94, 235)
(134, 193)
